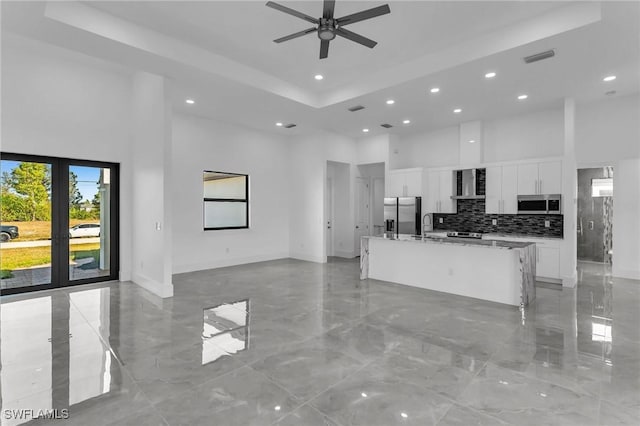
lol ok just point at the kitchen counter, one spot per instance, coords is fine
(499, 271)
(521, 236)
(427, 239)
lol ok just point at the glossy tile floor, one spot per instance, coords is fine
(295, 343)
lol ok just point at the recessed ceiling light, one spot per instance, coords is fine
(490, 75)
(435, 90)
(365, 130)
(406, 121)
(390, 102)
(279, 124)
(522, 97)
(318, 77)
(609, 78)
(472, 141)
(457, 111)
(190, 101)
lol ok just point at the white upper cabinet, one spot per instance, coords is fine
(550, 177)
(439, 191)
(502, 190)
(509, 189)
(404, 183)
(493, 201)
(540, 178)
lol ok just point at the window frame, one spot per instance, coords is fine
(226, 200)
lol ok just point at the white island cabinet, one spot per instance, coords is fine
(498, 271)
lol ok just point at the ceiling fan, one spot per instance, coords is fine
(328, 27)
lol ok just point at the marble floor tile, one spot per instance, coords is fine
(459, 415)
(306, 416)
(381, 400)
(242, 397)
(320, 365)
(315, 345)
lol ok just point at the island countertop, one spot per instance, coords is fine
(418, 239)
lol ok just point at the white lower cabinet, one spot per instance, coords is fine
(548, 259)
(547, 255)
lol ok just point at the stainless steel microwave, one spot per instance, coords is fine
(540, 204)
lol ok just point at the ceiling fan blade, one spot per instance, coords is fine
(356, 37)
(296, 35)
(327, 10)
(324, 49)
(365, 14)
(290, 11)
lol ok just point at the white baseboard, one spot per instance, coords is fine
(630, 274)
(345, 254)
(155, 287)
(308, 257)
(232, 261)
(570, 281)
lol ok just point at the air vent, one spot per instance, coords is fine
(356, 108)
(386, 126)
(540, 56)
(289, 126)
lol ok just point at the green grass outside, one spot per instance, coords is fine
(27, 257)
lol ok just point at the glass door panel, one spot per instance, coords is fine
(25, 216)
(89, 222)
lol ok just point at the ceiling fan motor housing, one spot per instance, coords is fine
(326, 30)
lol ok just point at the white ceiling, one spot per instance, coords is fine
(222, 54)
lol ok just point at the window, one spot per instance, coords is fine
(602, 187)
(226, 200)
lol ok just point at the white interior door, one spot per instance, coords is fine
(329, 214)
(361, 210)
(377, 207)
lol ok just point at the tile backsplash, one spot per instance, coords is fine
(471, 217)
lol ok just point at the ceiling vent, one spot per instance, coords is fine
(356, 108)
(289, 126)
(386, 126)
(539, 56)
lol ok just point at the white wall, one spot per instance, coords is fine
(309, 156)
(201, 144)
(434, 149)
(626, 219)
(608, 133)
(151, 177)
(64, 104)
(608, 130)
(536, 135)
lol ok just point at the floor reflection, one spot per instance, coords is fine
(51, 355)
(225, 330)
(234, 343)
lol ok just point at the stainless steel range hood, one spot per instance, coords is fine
(468, 177)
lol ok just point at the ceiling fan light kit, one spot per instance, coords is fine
(327, 27)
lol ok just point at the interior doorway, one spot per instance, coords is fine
(338, 221)
(595, 215)
(329, 213)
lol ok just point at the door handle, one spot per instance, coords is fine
(591, 225)
(541, 182)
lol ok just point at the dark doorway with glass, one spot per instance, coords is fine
(59, 222)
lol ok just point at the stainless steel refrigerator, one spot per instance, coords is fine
(402, 215)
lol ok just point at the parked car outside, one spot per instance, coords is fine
(85, 230)
(8, 233)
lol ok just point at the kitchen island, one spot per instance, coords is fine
(498, 271)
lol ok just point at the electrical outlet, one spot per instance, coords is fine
(158, 226)
(494, 222)
(440, 220)
(547, 223)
